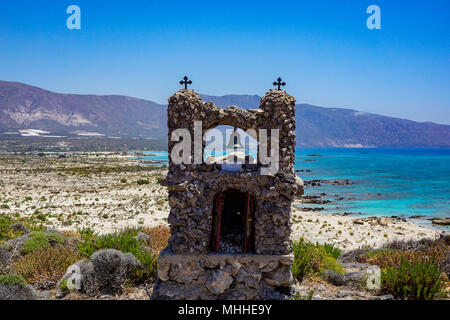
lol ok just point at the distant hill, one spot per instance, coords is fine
(26, 107)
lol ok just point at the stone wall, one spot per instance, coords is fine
(223, 277)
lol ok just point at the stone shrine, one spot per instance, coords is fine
(230, 231)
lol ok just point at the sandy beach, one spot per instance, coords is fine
(112, 191)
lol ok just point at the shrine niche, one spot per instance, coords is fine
(230, 226)
(233, 217)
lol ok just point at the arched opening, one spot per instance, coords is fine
(226, 144)
(233, 222)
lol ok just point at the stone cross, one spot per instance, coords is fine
(185, 82)
(279, 83)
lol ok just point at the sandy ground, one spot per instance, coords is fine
(101, 191)
(353, 232)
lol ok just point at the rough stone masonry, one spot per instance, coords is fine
(188, 268)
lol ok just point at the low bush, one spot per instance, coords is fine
(393, 257)
(310, 259)
(143, 181)
(330, 249)
(413, 279)
(39, 240)
(6, 232)
(412, 269)
(5, 228)
(63, 286)
(46, 264)
(12, 279)
(159, 237)
(124, 241)
(308, 297)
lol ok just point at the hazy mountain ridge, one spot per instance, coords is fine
(23, 106)
(27, 107)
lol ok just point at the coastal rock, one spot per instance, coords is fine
(441, 221)
(141, 236)
(5, 257)
(300, 186)
(369, 277)
(17, 243)
(17, 292)
(384, 297)
(334, 278)
(19, 227)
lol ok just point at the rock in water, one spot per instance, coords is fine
(300, 186)
(441, 221)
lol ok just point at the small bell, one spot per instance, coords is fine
(235, 141)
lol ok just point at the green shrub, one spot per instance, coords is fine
(39, 240)
(124, 241)
(416, 280)
(6, 232)
(330, 249)
(310, 259)
(63, 286)
(12, 279)
(46, 264)
(5, 228)
(308, 297)
(143, 181)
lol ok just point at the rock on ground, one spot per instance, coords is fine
(17, 292)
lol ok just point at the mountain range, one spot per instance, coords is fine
(24, 107)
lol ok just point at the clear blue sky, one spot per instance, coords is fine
(322, 49)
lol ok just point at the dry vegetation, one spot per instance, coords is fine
(159, 236)
(47, 264)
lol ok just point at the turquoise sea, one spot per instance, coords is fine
(384, 182)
